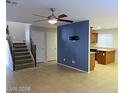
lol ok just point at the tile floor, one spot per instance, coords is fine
(52, 78)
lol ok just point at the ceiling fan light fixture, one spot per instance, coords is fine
(52, 21)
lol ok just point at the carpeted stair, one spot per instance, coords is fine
(22, 56)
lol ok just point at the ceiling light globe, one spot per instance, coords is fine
(52, 21)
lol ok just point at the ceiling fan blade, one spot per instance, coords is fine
(39, 15)
(65, 20)
(40, 20)
(62, 15)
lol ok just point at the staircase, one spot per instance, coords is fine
(22, 56)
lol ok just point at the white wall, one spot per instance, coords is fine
(114, 32)
(17, 31)
(9, 56)
(27, 35)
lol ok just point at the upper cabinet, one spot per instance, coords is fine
(93, 36)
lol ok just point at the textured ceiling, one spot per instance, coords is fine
(101, 13)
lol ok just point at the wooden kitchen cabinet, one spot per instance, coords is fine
(92, 61)
(93, 37)
(105, 57)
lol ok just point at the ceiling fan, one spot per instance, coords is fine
(52, 19)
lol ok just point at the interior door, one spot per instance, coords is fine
(51, 46)
(38, 38)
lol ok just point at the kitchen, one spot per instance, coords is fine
(103, 46)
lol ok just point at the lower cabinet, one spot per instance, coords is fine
(92, 61)
(105, 57)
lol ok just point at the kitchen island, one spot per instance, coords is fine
(104, 55)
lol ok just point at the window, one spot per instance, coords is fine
(105, 40)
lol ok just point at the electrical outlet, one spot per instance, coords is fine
(73, 61)
(64, 59)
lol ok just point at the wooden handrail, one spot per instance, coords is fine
(33, 50)
(8, 38)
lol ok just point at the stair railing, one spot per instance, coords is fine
(8, 38)
(33, 50)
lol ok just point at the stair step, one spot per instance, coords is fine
(20, 49)
(20, 46)
(22, 57)
(21, 53)
(22, 66)
(19, 43)
(23, 61)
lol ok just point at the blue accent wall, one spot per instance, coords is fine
(74, 54)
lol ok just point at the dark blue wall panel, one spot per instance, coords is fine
(68, 50)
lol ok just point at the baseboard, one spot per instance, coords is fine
(50, 60)
(72, 67)
(40, 62)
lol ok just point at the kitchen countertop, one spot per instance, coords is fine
(106, 49)
(92, 52)
(103, 49)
